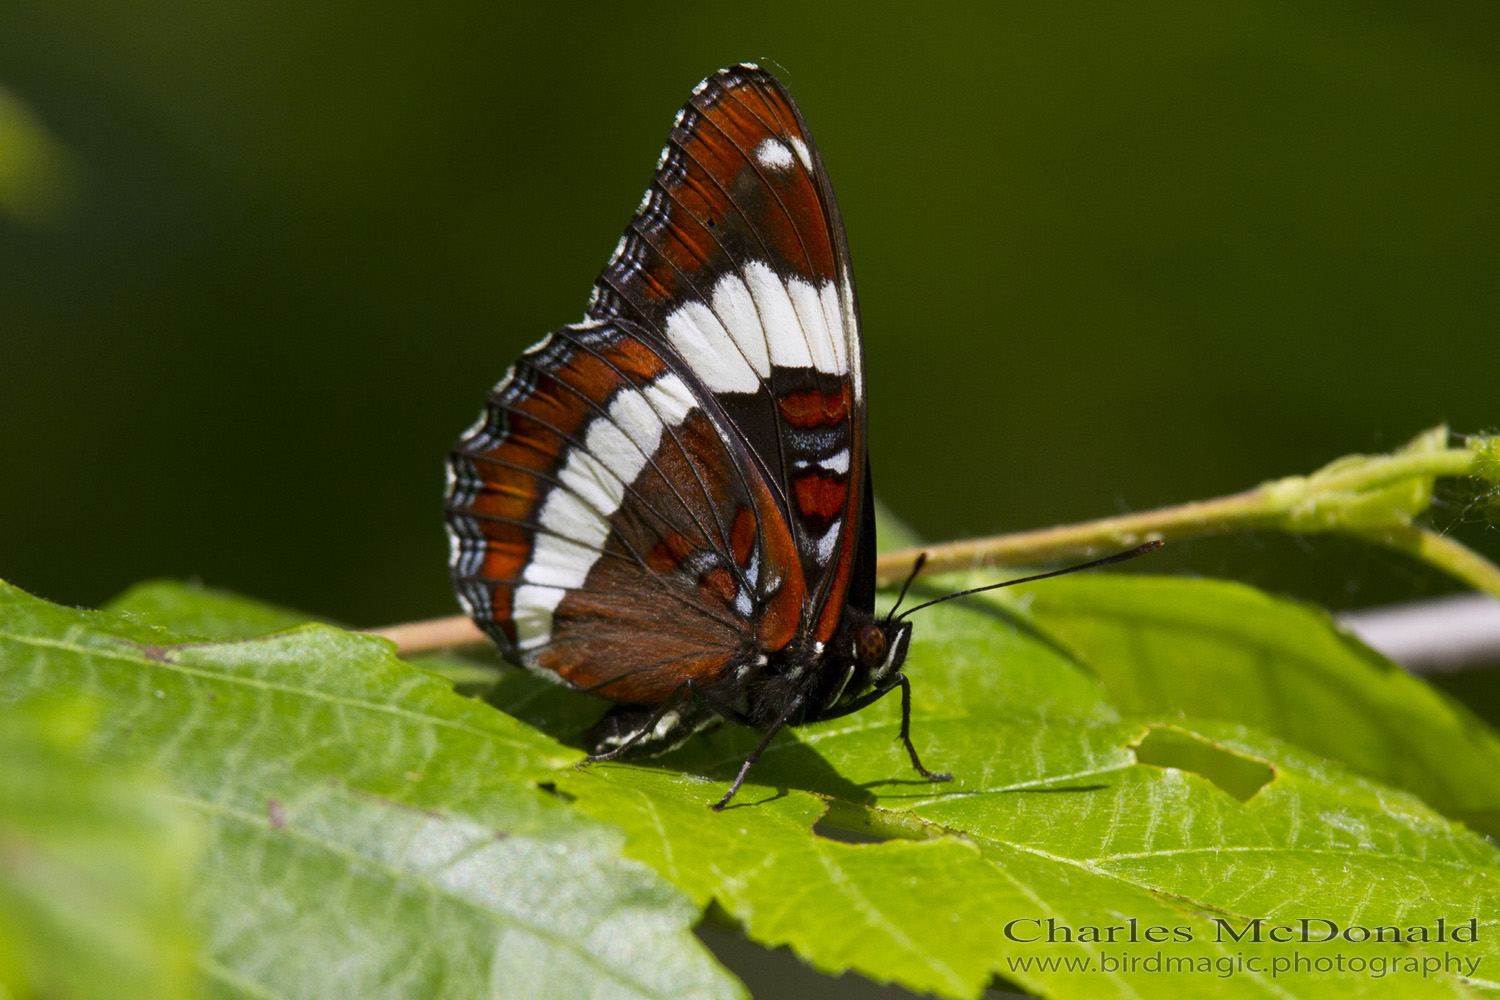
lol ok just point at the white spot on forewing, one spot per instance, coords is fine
(803, 153)
(780, 327)
(773, 155)
(823, 342)
(756, 321)
(854, 357)
(701, 339)
(828, 297)
(738, 311)
(592, 486)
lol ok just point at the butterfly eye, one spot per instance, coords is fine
(871, 645)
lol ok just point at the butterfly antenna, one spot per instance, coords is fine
(1139, 550)
(916, 568)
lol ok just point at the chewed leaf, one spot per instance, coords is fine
(1221, 650)
(1171, 746)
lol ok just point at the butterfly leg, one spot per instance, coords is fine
(906, 734)
(791, 709)
(672, 706)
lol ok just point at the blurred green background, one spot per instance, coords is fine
(1108, 258)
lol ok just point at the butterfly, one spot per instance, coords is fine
(668, 503)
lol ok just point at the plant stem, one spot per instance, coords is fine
(1326, 501)
(1082, 540)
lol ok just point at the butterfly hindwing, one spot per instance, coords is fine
(606, 528)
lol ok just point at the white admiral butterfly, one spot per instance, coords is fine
(668, 504)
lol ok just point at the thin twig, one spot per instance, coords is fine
(1074, 541)
(431, 635)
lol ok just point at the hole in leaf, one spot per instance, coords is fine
(777, 972)
(1235, 773)
(851, 823)
(830, 832)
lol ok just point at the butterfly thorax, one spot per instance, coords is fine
(865, 653)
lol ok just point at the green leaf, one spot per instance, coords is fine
(1225, 651)
(195, 610)
(370, 833)
(327, 770)
(1053, 814)
(93, 868)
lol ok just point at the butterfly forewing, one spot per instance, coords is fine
(737, 261)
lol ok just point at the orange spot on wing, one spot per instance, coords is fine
(820, 497)
(813, 408)
(630, 356)
(511, 497)
(666, 556)
(717, 583)
(742, 536)
(500, 610)
(506, 549)
(783, 614)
